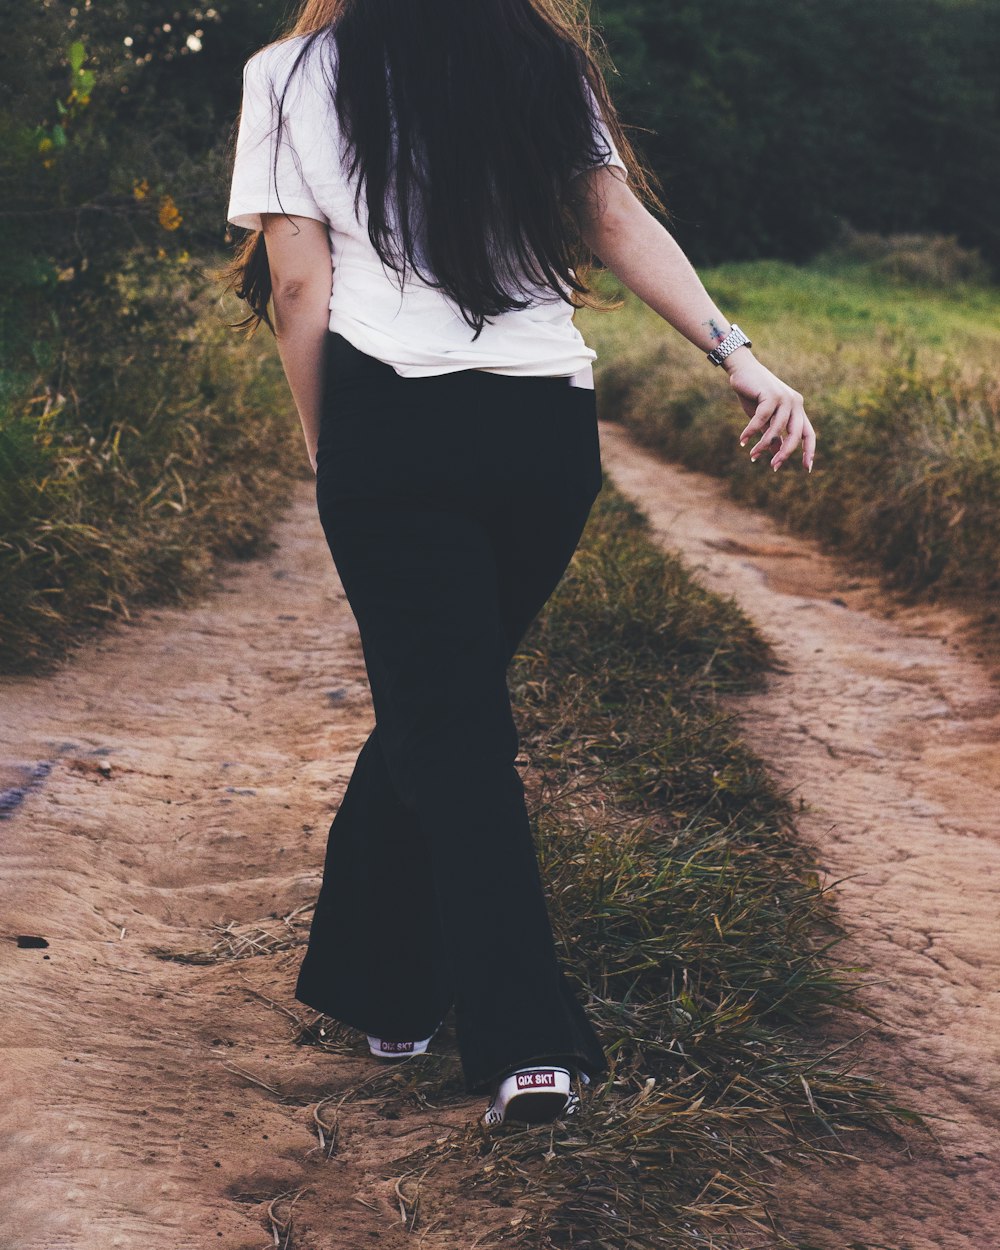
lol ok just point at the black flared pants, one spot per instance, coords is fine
(452, 505)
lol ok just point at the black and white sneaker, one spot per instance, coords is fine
(532, 1095)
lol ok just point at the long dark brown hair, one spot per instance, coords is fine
(464, 122)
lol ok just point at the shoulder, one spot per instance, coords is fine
(272, 61)
(273, 64)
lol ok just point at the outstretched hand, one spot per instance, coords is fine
(776, 413)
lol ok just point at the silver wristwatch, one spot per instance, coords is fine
(735, 338)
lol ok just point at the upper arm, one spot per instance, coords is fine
(298, 252)
(267, 172)
(606, 204)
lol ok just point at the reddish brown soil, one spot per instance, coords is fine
(197, 758)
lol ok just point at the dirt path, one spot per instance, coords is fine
(130, 1113)
(182, 773)
(888, 727)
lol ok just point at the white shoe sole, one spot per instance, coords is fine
(383, 1049)
(532, 1095)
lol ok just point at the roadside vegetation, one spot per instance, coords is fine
(891, 341)
(182, 452)
(139, 437)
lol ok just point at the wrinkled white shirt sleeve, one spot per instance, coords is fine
(601, 130)
(259, 183)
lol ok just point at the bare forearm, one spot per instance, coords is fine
(644, 255)
(301, 318)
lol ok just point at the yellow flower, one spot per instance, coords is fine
(170, 217)
(140, 188)
(44, 144)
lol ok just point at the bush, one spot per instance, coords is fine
(930, 259)
(139, 438)
(181, 449)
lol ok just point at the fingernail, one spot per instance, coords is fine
(743, 442)
(774, 467)
(810, 466)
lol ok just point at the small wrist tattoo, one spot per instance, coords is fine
(716, 333)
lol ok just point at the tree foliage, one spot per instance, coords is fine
(114, 125)
(772, 122)
(136, 437)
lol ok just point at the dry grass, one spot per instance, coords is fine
(931, 259)
(243, 941)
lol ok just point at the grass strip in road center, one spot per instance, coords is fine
(685, 903)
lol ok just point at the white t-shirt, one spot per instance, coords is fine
(419, 331)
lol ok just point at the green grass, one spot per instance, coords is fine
(896, 381)
(845, 306)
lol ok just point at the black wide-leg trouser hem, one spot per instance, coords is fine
(451, 506)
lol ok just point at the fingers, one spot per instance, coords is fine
(788, 427)
(808, 446)
(793, 434)
(779, 417)
(775, 430)
(761, 416)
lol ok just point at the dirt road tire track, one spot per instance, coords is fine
(228, 732)
(887, 725)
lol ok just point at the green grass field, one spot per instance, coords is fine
(834, 306)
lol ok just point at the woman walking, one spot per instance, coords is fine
(426, 182)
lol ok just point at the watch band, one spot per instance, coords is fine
(735, 338)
